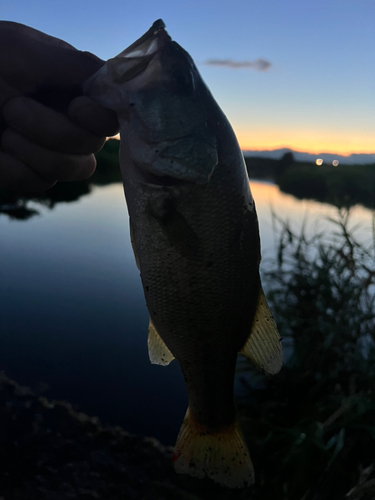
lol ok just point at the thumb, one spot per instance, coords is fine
(31, 60)
(68, 67)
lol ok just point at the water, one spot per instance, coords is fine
(73, 315)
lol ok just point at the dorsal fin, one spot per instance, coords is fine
(263, 347)
(158, 352)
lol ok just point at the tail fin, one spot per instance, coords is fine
(221, 455)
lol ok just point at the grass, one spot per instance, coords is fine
(311, 428)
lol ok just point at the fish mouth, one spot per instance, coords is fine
(134, 59)
(148, 43)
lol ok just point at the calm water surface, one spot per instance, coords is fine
(73, 315)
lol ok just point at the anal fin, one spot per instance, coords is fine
(158, 352)
(263, 347)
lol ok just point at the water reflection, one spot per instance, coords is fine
(311, 215)
(22, 206)
(73, 314)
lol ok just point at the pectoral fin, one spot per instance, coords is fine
(263, 347)
(158, 352)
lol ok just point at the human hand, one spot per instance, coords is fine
(48, 129)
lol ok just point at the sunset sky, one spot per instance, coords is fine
(307, 73)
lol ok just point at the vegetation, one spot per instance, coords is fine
(342, 186)
(108, 169)
(311, 428)
(261, 168)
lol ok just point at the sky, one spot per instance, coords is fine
(287, 73)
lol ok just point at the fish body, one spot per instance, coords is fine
(195, 236)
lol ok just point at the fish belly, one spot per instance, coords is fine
(198, 251)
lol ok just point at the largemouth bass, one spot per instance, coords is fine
(195, 237)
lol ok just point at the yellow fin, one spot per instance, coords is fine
(221, 455)
(132, 240)
(158, 352)
(263, 347)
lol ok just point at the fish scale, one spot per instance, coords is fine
(195, 237)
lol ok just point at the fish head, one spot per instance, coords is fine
(161, 103)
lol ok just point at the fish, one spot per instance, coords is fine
(195, 236)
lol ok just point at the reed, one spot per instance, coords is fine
(311, 428)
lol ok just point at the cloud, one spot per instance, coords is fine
(258, 64)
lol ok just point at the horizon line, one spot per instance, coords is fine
(314, 153)
(346, 155)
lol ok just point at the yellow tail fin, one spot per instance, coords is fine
(221, 455)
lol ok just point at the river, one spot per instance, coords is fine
(73, 320)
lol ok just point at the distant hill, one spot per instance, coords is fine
(276, 154)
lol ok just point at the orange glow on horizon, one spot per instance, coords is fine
(303, 141)
(307, 141)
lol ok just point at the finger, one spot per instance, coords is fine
(43, 61)
(48, 164)
(93, 117)
(47, 127)
(21, 29)
(16, 176)
(6, 92)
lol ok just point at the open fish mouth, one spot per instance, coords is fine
(148, 43)
(134, 59)
(129, 63)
